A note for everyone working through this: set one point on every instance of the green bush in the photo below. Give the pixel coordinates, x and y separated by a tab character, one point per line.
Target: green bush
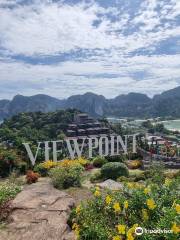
118	158
156	173
99	161
22	167
7	192
7	162
96	177
114	170
39	168
65	177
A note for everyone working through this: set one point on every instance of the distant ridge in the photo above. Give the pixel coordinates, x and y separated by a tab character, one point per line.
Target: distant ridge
130	105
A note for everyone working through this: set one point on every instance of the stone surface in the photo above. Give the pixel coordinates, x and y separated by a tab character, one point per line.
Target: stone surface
110	184
40	212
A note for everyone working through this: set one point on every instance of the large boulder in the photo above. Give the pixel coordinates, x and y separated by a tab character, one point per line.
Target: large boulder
110	184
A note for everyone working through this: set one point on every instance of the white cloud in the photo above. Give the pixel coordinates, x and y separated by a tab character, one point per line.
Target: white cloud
107	38
62	79
50	28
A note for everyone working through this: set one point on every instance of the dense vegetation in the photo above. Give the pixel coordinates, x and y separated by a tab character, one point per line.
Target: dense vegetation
29	127
159	127
35	126
152	205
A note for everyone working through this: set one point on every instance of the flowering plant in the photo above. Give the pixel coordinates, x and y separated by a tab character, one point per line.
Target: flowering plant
7	192
44	167
114	215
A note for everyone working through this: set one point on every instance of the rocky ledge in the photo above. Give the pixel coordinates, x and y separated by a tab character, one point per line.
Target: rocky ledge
39	212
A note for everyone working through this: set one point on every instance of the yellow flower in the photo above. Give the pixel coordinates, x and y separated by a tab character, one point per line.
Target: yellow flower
134	227
108	199
117	238
97	193
145	214
177	207
130	235
147	190
151	204
126	204
78	209
175	228
121	229
131	231
117	207
82	161
167	182
74	226
48	164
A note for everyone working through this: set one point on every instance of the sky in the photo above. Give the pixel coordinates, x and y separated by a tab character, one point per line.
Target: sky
109	47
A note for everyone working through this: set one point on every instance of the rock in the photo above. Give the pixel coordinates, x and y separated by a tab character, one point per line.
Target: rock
110	184
40	212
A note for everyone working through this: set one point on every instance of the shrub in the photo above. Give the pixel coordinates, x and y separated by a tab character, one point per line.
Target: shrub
31	177
39	168
99	161
84	162
114	170
7	192
69	162
133	177
115	215
96	177
134	164
7	162
43	168
21	167
156	173
67	176
118	158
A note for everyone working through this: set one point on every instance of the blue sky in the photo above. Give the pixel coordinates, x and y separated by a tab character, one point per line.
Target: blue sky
62	48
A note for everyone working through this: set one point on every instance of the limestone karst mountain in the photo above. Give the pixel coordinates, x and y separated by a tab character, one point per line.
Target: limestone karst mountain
130	105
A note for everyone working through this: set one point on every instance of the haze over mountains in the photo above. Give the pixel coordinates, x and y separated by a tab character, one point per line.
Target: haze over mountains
130	105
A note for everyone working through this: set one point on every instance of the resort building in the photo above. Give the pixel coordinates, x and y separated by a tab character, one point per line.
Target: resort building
85	126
